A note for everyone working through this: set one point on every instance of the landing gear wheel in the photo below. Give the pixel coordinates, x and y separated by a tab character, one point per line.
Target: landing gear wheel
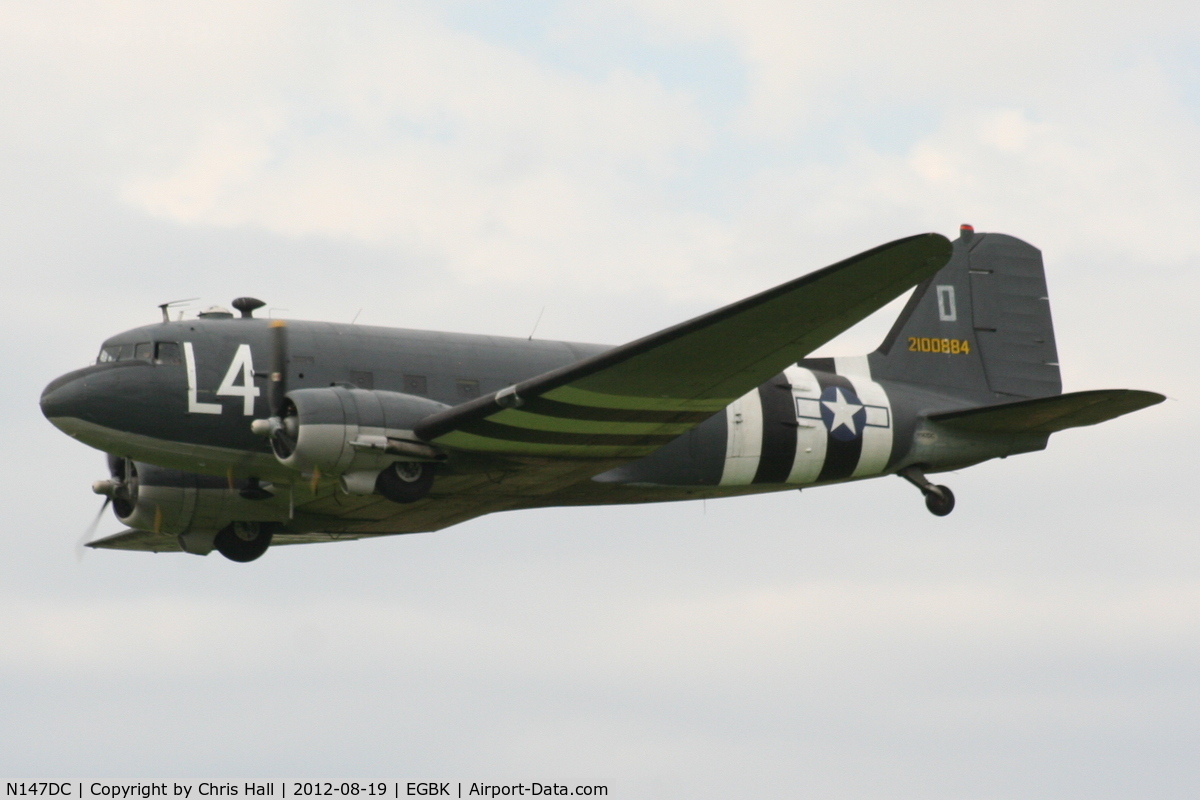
942	504
405	481
244	541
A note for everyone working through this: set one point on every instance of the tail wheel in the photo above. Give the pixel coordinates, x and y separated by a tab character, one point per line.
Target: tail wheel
244	541
939	500
405	481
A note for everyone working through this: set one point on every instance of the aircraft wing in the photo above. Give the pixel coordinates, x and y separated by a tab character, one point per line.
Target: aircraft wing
152	542
1049	414
628	401
132	539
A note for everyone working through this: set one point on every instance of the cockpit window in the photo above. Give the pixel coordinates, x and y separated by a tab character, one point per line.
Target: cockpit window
143	350
167	353
115	352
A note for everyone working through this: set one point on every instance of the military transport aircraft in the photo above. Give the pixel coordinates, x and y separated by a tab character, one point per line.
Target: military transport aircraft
237	433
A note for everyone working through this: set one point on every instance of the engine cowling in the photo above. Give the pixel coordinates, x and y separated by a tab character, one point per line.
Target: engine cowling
340	430
186	505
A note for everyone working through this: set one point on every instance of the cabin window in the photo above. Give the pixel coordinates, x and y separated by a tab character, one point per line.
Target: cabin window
143	350
363	380
468	388
167	353
416	384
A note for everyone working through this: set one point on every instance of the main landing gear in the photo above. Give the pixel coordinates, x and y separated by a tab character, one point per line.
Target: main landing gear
405	481
244	541
938	499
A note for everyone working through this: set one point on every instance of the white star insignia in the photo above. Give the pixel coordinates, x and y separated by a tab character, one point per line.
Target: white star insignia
843	412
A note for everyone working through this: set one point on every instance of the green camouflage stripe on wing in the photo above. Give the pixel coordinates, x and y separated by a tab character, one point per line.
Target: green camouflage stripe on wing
551	408
540	422
583	397
487	444
495	430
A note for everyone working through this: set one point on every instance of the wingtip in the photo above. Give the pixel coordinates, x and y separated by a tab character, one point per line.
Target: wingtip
1146	398
1152	398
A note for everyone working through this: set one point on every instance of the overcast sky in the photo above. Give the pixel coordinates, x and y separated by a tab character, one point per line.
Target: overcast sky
627	164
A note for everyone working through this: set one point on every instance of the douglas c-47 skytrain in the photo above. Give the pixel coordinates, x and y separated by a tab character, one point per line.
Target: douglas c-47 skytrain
238	433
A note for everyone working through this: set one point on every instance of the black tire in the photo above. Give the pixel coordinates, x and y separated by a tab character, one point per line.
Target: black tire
244	541
940	505
405	481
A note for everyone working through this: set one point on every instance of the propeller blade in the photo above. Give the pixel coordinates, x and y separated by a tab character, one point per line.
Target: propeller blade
277	386
81	545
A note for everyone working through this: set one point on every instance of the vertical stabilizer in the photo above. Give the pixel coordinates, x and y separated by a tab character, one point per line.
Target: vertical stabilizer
980	326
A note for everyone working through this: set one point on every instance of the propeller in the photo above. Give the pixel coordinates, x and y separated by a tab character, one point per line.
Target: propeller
120	487
284	424
277	384
276	377
81	545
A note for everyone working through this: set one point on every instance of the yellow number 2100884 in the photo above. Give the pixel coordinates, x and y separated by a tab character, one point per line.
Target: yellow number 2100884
924	344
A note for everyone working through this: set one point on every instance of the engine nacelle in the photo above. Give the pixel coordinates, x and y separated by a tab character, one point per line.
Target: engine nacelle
186	505
340	430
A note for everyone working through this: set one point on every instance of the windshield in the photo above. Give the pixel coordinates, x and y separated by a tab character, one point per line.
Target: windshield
158	352
115	352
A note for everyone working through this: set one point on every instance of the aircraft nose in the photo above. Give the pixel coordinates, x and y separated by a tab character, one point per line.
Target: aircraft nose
103	400
66	396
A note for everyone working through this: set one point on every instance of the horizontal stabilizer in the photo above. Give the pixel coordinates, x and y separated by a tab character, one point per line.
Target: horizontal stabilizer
626	402
1049	414
151	542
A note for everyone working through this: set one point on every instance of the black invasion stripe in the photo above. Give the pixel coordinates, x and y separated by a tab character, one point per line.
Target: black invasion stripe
511	433
553	408
778	431
841	458
819	365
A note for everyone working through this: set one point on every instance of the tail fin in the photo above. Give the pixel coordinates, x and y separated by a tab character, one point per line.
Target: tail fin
981	325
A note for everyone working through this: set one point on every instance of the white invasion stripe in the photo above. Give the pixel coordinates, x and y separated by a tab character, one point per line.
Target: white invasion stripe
811	436
877	433
853	367
878	416
743	443
807	408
